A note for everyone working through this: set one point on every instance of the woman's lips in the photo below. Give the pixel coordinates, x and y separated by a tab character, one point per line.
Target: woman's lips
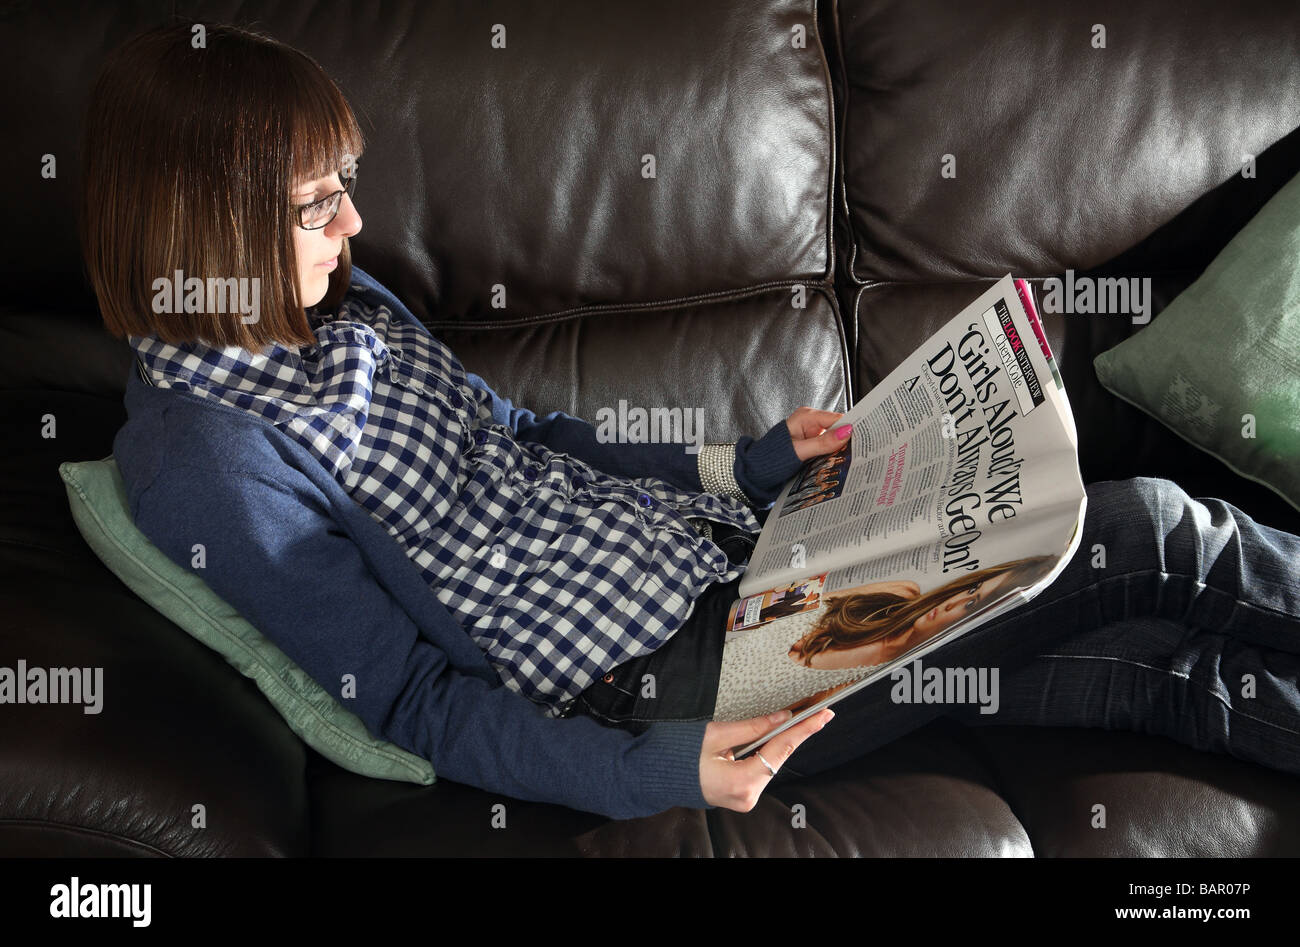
934	613
329	264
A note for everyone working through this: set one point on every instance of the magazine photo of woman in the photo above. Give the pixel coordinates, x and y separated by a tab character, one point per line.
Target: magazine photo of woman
875	623
520	603
859	629
872	624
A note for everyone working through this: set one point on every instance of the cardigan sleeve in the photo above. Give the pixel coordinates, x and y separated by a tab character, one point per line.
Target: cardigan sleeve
762	466
276	554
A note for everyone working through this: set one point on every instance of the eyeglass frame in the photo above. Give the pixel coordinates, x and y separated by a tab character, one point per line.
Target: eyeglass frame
349	188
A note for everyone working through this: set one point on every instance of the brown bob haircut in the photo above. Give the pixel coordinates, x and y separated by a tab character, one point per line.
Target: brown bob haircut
190	156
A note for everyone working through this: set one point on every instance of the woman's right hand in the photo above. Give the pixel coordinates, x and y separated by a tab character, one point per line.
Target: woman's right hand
734	784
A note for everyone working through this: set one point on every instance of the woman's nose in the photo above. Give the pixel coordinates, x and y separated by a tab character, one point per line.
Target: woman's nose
347	223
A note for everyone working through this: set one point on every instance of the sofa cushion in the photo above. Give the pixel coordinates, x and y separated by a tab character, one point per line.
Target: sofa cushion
1065	152
505	145
98	499
1221	364
745	362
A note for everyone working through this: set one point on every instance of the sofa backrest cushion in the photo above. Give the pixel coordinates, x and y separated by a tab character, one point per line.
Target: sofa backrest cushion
1066	152
507	144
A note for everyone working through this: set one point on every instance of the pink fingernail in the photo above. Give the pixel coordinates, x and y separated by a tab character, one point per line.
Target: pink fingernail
843	431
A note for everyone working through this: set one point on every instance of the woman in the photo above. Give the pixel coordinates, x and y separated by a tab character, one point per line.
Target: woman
337	464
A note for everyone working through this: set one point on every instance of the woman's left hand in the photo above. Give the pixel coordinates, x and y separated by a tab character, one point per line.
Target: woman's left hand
763	466
811	432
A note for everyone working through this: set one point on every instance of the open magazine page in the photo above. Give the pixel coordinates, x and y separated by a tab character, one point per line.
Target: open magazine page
993	511
970	432
813	641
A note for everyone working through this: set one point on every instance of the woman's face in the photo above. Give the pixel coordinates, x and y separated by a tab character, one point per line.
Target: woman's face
959	605
318	250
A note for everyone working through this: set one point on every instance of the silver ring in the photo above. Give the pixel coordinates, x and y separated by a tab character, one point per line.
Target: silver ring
765	762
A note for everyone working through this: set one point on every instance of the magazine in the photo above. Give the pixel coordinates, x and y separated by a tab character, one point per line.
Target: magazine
957	498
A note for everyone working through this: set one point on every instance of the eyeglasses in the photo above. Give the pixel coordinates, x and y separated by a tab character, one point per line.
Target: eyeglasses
319	213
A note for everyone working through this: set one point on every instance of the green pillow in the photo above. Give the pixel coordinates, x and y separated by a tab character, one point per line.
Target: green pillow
1227	347
99	506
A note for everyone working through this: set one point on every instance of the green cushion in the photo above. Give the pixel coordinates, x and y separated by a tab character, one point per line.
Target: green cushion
99	506
1227	347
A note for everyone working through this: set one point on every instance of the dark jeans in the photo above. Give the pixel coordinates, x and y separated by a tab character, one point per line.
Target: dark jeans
1190	630
686	669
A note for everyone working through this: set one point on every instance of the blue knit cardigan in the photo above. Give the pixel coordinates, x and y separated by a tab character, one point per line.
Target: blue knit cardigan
316	574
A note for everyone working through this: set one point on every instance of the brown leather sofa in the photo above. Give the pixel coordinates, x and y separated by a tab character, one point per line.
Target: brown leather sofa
795	143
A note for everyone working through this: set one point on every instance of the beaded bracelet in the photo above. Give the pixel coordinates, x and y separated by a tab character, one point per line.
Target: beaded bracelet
717	465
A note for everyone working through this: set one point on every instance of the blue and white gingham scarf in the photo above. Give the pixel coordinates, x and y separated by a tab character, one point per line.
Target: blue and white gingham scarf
557	570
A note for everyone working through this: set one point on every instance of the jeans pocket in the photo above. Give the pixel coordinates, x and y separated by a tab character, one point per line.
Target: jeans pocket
626	678
614	696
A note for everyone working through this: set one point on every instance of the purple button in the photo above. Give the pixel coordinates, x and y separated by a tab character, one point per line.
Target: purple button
530	473
644	499
480	437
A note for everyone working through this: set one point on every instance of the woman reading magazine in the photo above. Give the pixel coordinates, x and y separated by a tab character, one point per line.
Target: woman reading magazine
534	611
